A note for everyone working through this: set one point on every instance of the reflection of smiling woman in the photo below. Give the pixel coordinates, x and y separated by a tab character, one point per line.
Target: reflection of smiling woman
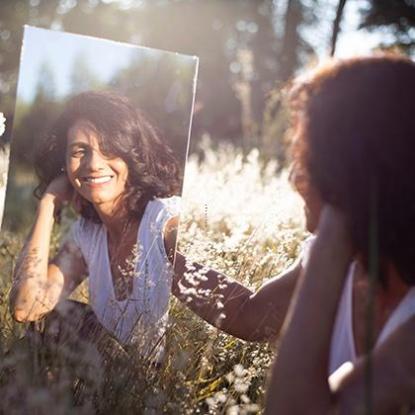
121	177
96	177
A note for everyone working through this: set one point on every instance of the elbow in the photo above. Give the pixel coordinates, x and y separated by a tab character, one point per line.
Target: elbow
260	322
259	335
245	332
19	316
250	330
22	314
28	303
14	311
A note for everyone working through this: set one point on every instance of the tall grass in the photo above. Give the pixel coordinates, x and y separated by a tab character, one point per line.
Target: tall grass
238	217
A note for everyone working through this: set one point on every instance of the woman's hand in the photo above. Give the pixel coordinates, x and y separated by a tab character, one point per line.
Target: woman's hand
332	225
60	191
333	239
310	322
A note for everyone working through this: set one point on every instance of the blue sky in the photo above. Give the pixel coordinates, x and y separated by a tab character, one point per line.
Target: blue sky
357	42
58	50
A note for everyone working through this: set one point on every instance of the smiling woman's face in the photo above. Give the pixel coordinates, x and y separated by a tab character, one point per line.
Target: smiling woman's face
98	178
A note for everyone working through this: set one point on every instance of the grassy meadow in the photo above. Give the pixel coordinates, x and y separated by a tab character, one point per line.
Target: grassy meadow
239	217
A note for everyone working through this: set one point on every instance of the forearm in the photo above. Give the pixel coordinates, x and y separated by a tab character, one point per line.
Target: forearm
210	294
32	293
232	307
299	381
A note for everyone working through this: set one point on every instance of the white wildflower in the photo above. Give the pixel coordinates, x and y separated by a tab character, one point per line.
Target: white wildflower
211	402
220	397
241	386
244	398
233	410
230	377
239	370
2	124
252	408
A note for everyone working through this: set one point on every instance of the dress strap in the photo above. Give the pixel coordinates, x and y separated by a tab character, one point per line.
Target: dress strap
400	315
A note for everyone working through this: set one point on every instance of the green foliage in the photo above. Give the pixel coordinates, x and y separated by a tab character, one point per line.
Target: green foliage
20	205
275	126
395	16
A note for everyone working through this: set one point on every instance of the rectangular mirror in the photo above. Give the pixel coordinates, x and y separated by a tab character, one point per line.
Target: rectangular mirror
101	134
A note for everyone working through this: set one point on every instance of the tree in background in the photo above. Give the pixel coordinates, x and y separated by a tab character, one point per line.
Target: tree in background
217	31
35	117
396	16
246	47
82	77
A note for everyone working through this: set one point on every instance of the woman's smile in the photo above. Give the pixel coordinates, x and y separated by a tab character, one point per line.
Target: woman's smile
96	180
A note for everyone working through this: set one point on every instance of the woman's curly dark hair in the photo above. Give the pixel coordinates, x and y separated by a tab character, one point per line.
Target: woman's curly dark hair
354	128
123	131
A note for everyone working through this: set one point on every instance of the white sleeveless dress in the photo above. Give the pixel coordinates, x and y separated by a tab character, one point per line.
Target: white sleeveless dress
142	318
342	348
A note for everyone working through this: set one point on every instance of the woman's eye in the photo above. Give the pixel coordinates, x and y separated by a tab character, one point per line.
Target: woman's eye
78	152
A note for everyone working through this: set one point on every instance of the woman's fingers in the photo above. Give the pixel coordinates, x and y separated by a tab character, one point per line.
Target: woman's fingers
61	188
61	192
334	231
333	222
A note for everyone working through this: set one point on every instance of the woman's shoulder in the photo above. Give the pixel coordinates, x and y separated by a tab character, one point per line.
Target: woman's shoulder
84	230
169	206
306	248
157	214
404	312
86	225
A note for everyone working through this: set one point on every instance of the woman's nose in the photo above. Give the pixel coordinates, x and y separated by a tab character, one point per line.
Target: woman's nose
94	161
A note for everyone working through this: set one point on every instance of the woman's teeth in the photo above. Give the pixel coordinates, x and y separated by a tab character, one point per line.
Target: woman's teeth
98	180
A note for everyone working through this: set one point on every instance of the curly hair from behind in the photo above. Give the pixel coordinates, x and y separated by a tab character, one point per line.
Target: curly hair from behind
354	128
123	131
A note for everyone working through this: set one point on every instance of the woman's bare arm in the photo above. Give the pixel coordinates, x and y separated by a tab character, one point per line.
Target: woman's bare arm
226	303
37	284
299	382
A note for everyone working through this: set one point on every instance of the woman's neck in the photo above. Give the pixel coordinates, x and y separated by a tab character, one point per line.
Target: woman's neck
387	297
393	289
116	220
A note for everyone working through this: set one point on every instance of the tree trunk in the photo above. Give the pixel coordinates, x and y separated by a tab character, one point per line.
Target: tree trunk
336	26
